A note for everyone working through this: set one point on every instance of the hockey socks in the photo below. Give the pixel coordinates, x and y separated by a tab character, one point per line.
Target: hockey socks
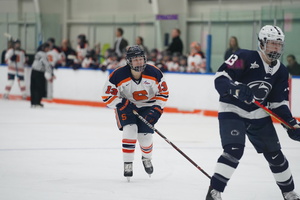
281	171
226	165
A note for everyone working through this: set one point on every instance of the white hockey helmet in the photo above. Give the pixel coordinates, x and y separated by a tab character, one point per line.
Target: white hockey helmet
276	36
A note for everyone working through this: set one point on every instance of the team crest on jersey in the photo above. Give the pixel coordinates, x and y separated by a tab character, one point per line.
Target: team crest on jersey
260	89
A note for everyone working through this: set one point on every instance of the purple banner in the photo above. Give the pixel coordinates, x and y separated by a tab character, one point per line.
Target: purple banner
167	17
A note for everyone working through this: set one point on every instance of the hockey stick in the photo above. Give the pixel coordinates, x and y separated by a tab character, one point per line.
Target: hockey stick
168	141
273	115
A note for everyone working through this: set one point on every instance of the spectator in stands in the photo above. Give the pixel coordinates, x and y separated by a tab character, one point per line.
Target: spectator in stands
233	47
293	66
153	57
82	47
196	59
98	56
120	43
68	53
176	44
90	60
140	42
173	65
183	63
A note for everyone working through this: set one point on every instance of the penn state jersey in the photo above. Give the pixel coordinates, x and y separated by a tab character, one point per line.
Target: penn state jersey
269	85
150	89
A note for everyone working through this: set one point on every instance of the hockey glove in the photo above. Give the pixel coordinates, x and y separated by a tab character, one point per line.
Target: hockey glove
241	92
154	114
126	106
13	57
294	134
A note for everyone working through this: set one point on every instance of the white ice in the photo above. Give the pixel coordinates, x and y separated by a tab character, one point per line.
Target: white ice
65	152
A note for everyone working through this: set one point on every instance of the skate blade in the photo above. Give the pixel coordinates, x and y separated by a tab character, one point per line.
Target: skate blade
128	179
149	175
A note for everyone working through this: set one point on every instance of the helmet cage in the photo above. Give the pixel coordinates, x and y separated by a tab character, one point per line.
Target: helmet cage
269	37
134	52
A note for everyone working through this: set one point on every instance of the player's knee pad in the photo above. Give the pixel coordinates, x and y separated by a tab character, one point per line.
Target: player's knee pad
275	158
130	131
235	150
146	143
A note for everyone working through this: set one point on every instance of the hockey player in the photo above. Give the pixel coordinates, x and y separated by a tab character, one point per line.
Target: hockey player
244	76
141	87
15	59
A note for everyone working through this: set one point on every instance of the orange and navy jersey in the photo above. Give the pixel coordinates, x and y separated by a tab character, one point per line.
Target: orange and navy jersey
150	90
18	65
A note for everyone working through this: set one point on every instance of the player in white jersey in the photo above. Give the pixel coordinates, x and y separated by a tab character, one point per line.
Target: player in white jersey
15	59
141	87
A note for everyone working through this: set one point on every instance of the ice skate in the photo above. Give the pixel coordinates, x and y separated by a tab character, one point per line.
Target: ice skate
291	196
147	165
213	194
128	170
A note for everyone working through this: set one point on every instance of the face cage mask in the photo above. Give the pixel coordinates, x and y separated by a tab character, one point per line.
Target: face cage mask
272	55
137	68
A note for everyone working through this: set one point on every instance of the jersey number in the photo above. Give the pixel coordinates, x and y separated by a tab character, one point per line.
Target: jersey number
231	60
111	90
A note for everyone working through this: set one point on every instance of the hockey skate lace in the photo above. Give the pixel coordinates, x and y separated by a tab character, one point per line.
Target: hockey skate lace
216	195
291	196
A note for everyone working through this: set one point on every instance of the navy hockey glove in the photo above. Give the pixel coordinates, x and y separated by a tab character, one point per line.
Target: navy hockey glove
294	134
126	106
241	92
154	114
13	57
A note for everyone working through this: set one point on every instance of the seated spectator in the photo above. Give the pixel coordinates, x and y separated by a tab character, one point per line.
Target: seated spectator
293	66
153	57
196	59
82	47
67	50
111	62
183	63
233	47
173	65
90	60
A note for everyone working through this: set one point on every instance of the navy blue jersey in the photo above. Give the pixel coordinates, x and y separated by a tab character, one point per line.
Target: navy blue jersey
269	85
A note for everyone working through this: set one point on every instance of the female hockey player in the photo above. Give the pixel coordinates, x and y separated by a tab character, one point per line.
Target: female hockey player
140	87
244	76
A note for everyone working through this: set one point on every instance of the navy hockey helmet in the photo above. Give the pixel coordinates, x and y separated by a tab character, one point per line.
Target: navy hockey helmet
133	52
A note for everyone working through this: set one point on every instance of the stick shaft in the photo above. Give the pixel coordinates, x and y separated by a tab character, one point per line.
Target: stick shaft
168	141
274	115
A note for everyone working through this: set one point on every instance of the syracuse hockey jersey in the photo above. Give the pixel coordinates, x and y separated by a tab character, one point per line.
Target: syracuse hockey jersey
150	90
15	67
269	85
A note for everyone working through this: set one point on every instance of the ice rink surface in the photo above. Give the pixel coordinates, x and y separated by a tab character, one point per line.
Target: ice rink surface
65	152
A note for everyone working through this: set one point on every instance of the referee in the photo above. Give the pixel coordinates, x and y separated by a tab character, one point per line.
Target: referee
41	70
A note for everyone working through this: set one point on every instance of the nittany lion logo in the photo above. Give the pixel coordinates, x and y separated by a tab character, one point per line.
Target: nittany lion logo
260	89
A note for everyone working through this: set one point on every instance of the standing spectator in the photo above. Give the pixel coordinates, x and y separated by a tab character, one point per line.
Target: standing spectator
196	59
176	44
120	43
41	69
82	48
90	60
140	42
293	66
233	47
67	52
15	59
